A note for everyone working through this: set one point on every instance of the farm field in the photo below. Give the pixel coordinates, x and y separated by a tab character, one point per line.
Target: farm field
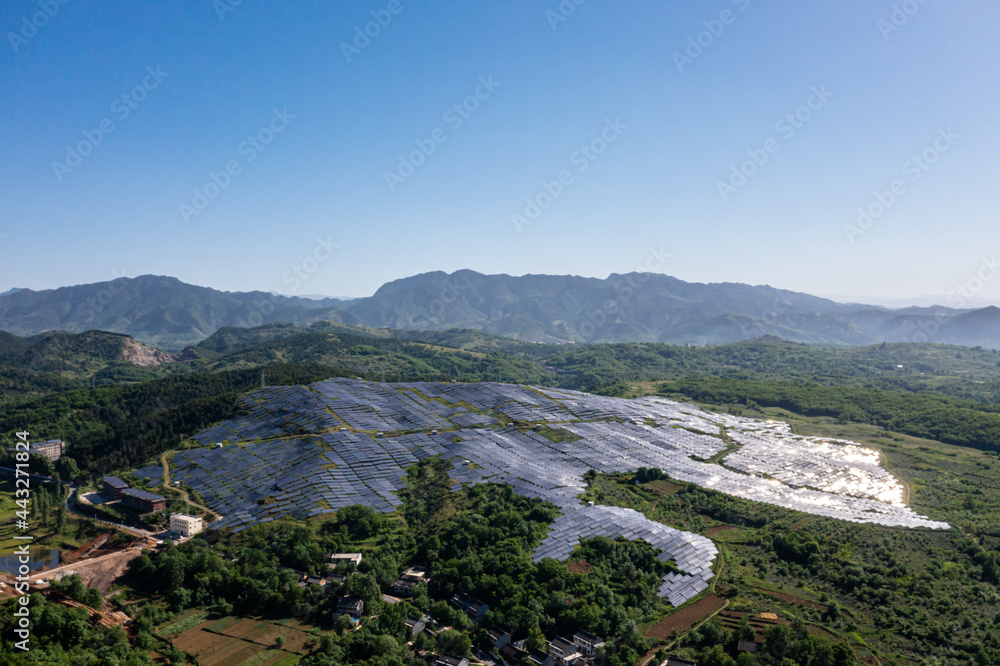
686	618
231	641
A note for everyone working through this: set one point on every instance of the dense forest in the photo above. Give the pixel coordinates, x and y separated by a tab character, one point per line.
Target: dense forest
120	426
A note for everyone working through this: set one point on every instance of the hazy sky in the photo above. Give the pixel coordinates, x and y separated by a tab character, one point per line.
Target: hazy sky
276	146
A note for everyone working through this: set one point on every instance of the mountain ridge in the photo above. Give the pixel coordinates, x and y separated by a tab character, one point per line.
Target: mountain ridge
624	307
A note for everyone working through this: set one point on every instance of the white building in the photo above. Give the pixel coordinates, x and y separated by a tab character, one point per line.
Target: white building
337	558
186	525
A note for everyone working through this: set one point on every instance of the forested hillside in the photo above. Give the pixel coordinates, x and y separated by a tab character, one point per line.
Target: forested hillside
943	392
633	307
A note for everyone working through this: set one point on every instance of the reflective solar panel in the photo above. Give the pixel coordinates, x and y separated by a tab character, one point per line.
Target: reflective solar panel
275	470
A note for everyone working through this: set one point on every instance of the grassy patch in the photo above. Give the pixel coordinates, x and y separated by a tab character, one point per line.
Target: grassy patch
73	534
222	625
661	487
187	620
557	435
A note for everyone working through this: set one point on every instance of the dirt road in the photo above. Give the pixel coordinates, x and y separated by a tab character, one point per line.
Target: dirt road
99	572
183	493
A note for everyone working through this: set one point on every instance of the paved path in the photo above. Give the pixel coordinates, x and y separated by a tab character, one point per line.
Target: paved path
72	508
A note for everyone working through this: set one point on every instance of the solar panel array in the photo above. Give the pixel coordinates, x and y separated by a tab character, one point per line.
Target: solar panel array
692	553
305	451
152	473
830	465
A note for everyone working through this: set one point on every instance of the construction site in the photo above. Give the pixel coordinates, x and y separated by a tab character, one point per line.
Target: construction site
99	564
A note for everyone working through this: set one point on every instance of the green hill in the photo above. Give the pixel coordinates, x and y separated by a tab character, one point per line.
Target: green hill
60	361
960	372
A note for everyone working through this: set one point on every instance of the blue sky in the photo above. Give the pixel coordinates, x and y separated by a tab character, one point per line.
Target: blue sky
657	187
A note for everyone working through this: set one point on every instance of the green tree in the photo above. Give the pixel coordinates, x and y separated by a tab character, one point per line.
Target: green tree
454	642
343	624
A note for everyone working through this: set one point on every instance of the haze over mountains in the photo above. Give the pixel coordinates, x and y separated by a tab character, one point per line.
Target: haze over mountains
636	307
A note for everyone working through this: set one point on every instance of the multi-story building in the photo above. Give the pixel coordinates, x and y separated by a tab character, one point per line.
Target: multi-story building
408	582
564	651
142	501
185	525
499	638
113	487
51	449
347	606
472	607
588	642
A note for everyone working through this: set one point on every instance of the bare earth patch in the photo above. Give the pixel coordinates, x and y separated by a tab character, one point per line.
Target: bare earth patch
715	530
686	618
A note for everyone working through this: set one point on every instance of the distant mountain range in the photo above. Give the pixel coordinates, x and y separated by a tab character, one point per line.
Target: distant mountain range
636	307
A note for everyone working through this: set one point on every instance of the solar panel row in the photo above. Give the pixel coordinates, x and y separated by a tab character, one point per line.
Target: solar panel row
297	456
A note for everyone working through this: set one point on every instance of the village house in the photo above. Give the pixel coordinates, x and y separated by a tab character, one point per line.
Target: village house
564	651
588	642
408	582
348	606
352	558
472	607
499	638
